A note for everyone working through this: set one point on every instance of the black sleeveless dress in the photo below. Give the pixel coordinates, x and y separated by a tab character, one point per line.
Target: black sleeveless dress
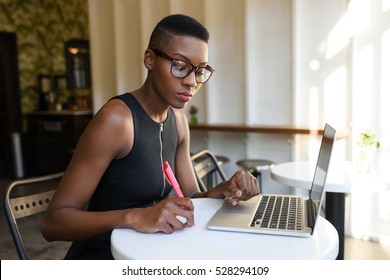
135	181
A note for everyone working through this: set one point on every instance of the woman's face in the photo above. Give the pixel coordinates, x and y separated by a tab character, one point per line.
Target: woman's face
177	92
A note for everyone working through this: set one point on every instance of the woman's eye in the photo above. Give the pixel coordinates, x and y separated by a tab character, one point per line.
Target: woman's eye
181	66
200	72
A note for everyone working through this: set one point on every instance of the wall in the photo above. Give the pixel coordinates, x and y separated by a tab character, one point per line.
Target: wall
42	27
321	91
370	90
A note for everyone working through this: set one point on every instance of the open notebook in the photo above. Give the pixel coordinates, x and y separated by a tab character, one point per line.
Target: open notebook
280	214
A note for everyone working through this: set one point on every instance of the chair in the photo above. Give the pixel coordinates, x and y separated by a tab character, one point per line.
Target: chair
25	198
207	169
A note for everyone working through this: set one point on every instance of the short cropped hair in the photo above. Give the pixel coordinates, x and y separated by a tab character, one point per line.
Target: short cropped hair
176	25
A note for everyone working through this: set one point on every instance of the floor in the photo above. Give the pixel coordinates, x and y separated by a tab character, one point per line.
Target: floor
38	248
356	249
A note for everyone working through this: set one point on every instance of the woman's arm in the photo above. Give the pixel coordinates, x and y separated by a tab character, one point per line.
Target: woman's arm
65	217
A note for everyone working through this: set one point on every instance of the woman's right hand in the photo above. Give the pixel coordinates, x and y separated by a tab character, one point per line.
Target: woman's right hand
162	217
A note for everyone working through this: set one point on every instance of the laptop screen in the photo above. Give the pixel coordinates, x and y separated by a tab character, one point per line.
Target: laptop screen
321	170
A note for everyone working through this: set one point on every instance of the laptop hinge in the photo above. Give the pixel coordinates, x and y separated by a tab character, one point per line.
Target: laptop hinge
311	213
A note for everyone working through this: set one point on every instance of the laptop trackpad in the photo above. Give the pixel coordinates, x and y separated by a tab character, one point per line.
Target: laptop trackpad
241	208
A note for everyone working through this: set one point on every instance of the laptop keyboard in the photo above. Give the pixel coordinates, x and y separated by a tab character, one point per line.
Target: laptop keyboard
279	212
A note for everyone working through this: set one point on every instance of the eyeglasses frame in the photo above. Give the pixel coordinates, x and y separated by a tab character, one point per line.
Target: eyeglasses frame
194	68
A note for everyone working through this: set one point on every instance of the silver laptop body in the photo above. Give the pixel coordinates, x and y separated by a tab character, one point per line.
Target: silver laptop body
290	215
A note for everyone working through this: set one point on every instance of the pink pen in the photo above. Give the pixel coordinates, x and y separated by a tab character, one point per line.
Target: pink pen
171	179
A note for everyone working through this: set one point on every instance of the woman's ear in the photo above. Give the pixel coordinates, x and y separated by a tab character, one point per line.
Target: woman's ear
148	59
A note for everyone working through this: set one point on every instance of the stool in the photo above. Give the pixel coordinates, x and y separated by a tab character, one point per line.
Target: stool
222	159
256	166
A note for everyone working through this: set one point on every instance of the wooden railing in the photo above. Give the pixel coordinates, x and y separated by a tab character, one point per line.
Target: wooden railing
341	134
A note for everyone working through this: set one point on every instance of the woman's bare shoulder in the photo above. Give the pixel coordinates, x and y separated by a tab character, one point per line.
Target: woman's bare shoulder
114	112
112	128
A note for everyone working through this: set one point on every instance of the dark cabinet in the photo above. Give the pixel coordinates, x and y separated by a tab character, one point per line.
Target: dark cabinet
11	162
53	136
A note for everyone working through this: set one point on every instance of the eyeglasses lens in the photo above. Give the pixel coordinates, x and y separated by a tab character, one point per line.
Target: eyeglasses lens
182	69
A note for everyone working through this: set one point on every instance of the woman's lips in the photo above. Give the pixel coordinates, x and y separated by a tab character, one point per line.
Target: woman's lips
184	96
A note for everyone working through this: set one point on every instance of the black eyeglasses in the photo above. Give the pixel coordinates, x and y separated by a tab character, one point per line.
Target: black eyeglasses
181	69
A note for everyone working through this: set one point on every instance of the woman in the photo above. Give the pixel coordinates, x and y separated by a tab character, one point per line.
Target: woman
116	168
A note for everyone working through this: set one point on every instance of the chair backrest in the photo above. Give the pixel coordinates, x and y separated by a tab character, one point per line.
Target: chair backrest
207	169
27	197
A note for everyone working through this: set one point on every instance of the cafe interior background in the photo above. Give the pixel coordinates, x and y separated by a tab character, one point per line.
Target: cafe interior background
293	63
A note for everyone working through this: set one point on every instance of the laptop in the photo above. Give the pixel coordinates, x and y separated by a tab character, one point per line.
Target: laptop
290	215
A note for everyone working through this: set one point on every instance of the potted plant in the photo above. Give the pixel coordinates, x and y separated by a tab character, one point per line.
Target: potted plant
193	114
367	142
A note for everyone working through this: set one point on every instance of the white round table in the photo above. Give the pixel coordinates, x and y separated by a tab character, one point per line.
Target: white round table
300	174
200	243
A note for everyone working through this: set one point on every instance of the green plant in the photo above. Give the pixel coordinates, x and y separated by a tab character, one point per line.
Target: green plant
193	110
368	139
